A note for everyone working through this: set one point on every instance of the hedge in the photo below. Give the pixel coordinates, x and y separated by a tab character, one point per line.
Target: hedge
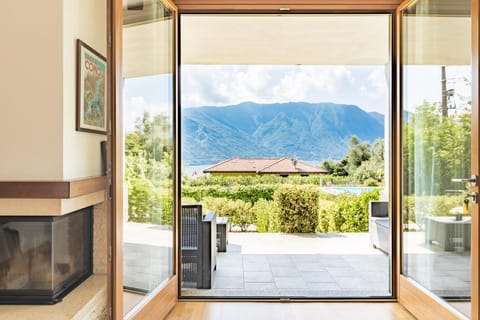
298	208
349	213
250	194
266	213
240	213
420	206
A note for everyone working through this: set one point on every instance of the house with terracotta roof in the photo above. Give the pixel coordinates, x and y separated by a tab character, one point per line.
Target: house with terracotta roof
253	166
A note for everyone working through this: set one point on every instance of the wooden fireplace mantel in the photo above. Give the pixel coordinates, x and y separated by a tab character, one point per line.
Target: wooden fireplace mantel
50	198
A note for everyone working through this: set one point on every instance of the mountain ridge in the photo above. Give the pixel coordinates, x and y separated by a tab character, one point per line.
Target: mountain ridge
308	131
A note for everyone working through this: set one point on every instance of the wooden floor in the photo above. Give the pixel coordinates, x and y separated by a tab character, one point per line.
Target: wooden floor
288	311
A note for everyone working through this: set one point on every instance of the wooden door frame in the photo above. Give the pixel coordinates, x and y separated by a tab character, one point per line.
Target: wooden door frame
475	245
419	301
115	36
159	302
315	7
273	6
406	290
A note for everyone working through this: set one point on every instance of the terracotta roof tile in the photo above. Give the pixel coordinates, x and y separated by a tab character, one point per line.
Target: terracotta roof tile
263	166
286	165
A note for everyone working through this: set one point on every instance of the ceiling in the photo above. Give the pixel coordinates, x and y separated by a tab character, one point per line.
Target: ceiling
294	39
285	39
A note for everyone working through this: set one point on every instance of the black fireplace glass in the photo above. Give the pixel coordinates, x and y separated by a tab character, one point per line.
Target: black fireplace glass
44	258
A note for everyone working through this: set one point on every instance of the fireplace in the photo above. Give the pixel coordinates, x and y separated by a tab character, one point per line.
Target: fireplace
44	258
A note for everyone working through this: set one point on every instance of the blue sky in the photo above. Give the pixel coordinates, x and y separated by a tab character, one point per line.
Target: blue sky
219	85
229	85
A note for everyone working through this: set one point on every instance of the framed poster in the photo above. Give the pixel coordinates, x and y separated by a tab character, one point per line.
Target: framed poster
91	90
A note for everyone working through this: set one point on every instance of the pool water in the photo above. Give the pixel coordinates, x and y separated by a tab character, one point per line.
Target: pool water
353	190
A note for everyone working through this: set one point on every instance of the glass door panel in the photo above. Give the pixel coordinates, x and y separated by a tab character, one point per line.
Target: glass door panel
436	152
148	104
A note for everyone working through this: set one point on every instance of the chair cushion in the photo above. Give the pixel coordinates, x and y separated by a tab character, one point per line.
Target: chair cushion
382	222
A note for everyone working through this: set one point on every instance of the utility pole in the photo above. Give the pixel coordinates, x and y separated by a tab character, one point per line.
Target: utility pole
444	94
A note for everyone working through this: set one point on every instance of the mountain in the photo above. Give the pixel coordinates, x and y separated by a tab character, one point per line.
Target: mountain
309	131
378	116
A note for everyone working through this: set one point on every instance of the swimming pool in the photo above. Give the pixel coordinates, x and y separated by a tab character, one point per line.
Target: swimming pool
353	190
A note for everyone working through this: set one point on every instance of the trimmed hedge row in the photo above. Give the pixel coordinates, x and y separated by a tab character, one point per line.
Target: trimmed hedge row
227	181
250	194
296	209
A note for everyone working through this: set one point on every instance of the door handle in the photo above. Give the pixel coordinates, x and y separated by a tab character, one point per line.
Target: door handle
472	195
473	179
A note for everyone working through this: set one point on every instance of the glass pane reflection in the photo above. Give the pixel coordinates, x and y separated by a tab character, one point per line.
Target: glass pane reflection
436	95
148	102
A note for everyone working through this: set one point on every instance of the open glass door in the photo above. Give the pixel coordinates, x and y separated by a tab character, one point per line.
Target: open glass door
438	155
146	153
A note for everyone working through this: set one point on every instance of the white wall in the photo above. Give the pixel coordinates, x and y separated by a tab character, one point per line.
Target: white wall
38	141
85	20
31	91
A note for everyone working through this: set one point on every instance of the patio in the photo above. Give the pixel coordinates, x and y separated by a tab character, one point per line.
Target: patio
299	265
324	265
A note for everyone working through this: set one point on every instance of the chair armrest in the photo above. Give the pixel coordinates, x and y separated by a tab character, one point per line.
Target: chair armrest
378	208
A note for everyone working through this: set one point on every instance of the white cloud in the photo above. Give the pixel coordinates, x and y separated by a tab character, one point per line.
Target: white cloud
375	86
217	85
135	107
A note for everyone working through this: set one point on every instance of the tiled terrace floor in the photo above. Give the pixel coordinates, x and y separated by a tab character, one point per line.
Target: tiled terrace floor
298	265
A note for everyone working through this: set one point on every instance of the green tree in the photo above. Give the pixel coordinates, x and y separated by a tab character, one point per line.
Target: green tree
149	170
363	161
435	149
328	165
340	168
357	153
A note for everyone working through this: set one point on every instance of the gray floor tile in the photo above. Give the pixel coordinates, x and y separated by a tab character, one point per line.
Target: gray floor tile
255	258
354	283
333	262
324	286
310	266
306	258
229	272
256	266
342	272
262	286
375	276
290	283
285	271
228	283
317	276
258	276
281	261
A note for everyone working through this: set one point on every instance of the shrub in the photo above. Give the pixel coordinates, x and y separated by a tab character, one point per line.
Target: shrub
357	212
143	201
414	206
370	182
167	211
164	214
215	204
324	220
349	213
187	200
251	193
240	213
243	215
298	208
266	214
